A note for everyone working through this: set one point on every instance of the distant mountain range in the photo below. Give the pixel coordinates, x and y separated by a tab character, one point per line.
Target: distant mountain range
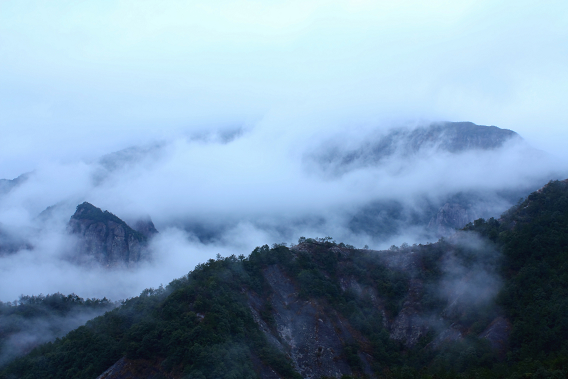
381	219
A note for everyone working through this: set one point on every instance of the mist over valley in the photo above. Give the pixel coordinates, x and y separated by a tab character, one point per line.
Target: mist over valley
216	195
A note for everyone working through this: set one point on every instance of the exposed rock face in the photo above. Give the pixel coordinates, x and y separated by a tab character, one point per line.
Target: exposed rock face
105	238
313	338
134	369
410	324
146	227
450	217
498	333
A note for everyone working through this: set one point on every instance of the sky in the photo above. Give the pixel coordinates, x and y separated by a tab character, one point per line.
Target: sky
80	79
226	101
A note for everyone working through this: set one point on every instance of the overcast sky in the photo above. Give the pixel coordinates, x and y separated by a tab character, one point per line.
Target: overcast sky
80	79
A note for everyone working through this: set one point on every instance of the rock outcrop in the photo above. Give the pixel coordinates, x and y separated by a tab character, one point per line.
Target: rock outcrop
107	239
146	227
451	216
313	338
134	369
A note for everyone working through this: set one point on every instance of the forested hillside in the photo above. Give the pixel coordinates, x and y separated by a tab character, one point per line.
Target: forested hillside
488	302
32	320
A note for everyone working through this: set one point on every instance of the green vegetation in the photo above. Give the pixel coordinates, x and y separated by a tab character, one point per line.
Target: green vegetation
533	237
32	320
201	325
198	326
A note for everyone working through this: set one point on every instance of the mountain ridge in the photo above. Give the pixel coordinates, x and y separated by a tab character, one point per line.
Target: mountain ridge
324	309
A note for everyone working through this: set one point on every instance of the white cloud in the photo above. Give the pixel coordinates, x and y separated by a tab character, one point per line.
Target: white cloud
78	81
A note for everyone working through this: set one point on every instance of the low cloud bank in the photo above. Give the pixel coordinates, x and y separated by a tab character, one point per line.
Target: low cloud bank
228	191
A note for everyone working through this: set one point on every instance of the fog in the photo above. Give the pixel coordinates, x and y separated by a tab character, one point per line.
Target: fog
226	123
210	194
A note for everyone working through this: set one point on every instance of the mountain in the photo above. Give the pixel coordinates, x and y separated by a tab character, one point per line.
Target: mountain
106	239
402	149
337	158
7	185
491	301
11	242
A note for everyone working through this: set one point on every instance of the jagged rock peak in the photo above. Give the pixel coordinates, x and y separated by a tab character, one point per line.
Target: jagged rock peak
87	211
106	238
146	227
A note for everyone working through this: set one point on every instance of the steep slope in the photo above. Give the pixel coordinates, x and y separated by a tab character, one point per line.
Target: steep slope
106	239
318	309
534	239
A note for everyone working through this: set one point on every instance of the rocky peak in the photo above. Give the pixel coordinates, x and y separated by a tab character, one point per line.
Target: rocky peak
105	238
145	227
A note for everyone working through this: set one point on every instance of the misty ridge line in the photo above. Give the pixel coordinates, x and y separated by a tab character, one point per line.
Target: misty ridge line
469	279
227	192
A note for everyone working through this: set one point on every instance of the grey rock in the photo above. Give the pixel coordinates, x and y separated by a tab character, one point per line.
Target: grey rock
450	217
410	324
105	238
145	227
126	368
497	333
314	338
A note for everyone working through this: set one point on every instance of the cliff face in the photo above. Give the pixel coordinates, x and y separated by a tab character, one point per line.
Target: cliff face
106	239
313	337
451	216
